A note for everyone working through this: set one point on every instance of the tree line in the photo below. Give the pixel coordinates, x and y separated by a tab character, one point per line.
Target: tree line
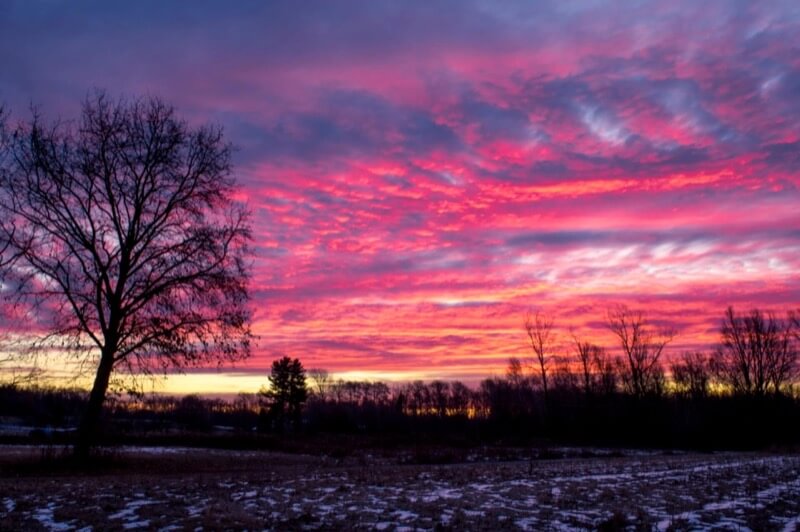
757	355
121	233
742	392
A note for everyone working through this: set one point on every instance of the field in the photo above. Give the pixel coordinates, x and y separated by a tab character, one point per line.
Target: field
188	489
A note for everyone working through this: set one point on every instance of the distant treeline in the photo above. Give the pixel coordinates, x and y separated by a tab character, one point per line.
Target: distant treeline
740	395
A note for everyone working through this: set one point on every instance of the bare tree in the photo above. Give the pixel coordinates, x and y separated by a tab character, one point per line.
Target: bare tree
418	398
514	373
757	354
8	253
606	370
641	347
439	395
245	402
794	319
321	382
564	378
5	156
786	365
598	373
590	358
460	399
126	229
539	328
12	372
376	393
691	375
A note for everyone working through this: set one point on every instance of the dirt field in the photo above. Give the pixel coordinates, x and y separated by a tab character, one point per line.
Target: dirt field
186	489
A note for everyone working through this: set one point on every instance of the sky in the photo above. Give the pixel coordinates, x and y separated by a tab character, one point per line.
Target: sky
422	174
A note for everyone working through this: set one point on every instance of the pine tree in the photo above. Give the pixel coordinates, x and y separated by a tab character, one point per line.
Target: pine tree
287	391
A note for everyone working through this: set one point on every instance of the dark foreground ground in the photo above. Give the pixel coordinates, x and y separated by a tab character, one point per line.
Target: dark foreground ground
192	489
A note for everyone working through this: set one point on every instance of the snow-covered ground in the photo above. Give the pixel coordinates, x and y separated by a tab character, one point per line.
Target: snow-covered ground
266	490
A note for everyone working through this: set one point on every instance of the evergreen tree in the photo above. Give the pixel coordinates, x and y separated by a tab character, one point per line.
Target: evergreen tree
287	391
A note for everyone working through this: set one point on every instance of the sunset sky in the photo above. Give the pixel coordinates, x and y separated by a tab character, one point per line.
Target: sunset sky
421	174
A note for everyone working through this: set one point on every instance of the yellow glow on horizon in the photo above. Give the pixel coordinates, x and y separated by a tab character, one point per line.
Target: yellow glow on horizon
222	383
229	383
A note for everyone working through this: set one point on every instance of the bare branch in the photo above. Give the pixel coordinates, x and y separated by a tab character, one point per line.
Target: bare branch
642	348
124	223
539	328
758	352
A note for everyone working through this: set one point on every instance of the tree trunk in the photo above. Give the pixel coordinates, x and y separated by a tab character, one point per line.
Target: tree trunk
87	432
544	378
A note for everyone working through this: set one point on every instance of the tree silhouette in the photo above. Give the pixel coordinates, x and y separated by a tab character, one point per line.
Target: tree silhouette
539	328
606	371
129	240
321	380
8	254
6	257
641	373
287	391
440	397
691	375
590	358
757	354
460	398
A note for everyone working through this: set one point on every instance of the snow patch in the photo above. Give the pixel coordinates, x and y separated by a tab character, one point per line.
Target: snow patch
404	515
792	524
129	513
45	518
133	525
